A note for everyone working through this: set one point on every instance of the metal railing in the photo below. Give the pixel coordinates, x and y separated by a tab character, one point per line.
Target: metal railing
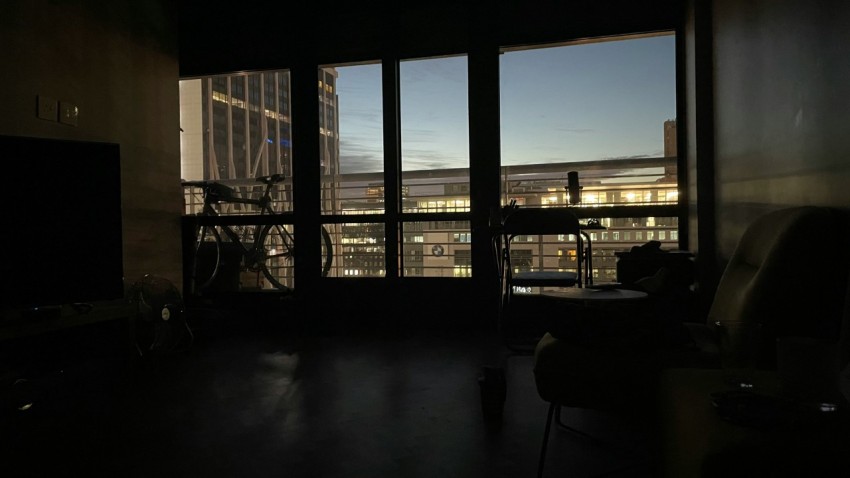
637	199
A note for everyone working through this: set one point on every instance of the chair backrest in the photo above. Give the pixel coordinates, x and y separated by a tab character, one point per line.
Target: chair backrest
532	221
788	274
540	221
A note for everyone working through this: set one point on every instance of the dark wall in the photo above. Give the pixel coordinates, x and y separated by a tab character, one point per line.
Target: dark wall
781	80
117	61
218	37
698	139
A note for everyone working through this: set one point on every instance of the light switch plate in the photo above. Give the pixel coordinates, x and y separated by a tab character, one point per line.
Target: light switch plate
68	113
47	108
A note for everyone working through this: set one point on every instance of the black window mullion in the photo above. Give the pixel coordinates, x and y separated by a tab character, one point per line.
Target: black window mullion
392	161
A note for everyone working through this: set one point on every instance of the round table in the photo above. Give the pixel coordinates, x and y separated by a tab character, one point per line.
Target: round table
589	294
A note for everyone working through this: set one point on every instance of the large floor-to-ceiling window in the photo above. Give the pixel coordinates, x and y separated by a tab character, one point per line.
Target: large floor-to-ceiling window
352	168
604	108
435	167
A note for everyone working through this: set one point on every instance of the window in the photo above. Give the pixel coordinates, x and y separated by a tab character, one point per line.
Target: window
230	136
435	162
434	131
589	102
352	164
461	237
604	108
363	249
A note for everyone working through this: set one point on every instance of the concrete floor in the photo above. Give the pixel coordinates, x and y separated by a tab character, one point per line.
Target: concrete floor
263	401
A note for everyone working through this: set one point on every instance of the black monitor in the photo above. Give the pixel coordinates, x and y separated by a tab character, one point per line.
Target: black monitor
61	236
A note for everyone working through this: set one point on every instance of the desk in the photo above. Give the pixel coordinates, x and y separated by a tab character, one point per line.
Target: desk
696	442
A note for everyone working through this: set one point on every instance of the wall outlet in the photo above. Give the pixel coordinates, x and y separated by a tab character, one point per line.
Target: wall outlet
69	113
47	108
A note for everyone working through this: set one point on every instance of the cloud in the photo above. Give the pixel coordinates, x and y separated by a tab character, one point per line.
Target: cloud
360	156
575	130
426	159
633	156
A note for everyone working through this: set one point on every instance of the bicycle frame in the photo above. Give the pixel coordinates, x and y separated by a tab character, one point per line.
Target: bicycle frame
255	254
264	205
271	247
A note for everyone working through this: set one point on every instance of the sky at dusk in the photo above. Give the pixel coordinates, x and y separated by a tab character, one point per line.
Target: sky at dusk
581	102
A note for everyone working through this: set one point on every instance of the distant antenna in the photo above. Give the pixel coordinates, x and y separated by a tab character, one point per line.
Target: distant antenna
573	188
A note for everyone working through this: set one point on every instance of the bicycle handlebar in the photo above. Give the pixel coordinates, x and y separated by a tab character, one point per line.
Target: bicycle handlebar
268	180
271	179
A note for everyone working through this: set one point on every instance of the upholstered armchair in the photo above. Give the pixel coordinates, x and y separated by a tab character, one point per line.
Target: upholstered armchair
786	277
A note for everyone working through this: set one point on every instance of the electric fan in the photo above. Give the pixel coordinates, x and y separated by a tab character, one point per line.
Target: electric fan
160	325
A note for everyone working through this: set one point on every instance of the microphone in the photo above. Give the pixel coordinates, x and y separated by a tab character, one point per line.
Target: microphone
573	188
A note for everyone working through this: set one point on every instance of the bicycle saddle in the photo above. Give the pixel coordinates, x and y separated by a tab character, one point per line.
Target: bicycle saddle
219	192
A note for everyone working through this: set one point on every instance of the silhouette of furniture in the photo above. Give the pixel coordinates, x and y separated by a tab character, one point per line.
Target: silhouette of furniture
537	249
613	362
636	264
767	437
585	227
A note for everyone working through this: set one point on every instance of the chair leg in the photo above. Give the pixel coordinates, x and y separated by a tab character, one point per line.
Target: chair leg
561	424
569	428
552	408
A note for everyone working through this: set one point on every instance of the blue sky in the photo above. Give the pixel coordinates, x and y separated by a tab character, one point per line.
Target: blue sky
581	102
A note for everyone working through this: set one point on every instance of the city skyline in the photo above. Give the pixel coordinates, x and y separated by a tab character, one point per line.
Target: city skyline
579	102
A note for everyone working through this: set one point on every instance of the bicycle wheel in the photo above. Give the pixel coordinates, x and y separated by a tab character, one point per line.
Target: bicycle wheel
275	259
327	252
207	260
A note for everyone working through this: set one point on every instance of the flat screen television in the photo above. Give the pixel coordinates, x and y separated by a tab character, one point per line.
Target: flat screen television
61	236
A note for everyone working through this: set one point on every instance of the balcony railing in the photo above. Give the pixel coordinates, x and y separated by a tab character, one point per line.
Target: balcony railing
636	199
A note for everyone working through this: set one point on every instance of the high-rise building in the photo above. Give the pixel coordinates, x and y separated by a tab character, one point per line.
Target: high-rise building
238	127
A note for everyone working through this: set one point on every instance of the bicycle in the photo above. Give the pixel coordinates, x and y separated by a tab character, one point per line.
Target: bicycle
268	249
